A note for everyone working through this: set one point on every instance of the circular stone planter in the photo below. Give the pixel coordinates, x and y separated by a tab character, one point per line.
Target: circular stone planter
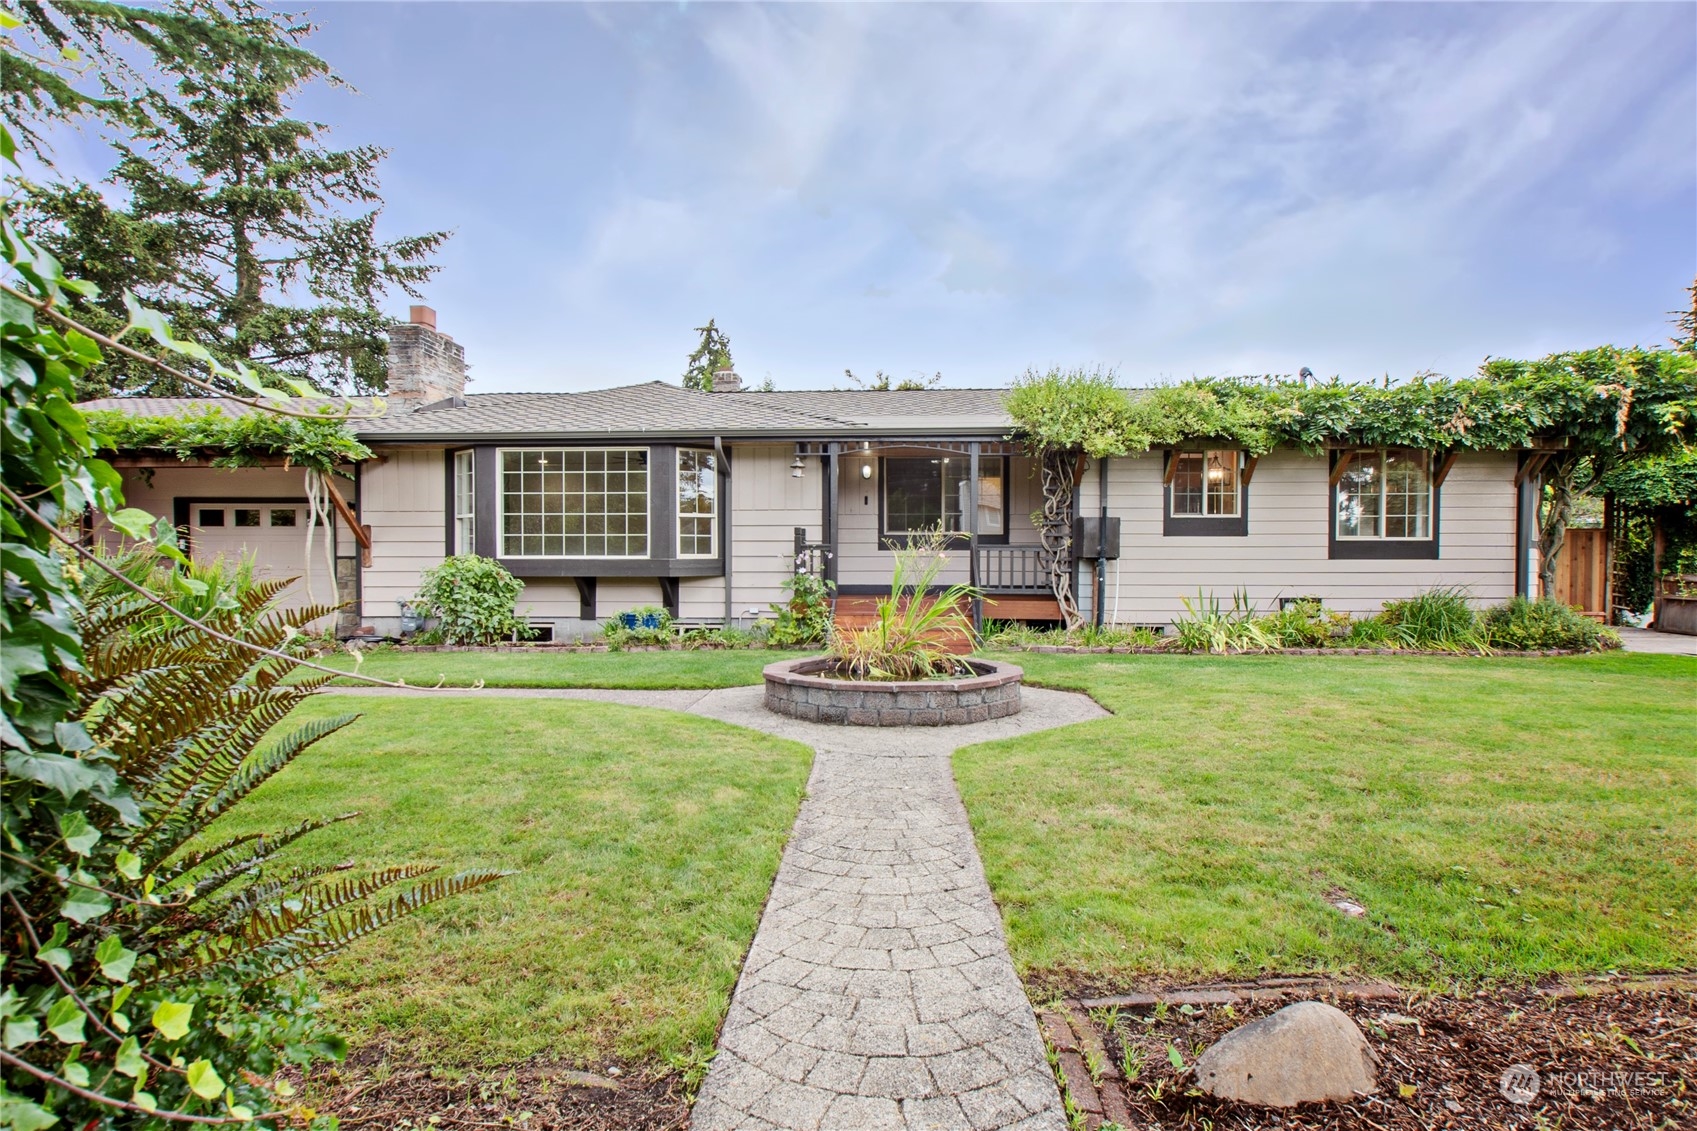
797	689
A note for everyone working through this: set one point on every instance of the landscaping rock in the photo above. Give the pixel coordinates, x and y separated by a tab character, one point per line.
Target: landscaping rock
1304	1053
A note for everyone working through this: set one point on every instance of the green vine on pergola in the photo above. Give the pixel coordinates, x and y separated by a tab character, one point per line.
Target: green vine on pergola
1593	412
235	439
321	446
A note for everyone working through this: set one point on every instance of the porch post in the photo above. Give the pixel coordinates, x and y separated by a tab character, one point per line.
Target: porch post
832	490
1101	592
972	534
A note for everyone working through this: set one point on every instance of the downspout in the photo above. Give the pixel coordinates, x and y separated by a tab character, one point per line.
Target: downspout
724	464
1101	539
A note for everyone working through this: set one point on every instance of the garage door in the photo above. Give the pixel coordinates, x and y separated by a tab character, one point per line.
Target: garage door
273	534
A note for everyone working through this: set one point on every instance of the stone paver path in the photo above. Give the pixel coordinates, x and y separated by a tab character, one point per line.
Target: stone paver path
878	992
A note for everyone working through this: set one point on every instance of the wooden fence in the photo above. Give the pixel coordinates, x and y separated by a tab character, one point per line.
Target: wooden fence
1582	571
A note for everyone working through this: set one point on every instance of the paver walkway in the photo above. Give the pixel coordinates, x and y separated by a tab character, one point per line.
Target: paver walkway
1663	643
878	992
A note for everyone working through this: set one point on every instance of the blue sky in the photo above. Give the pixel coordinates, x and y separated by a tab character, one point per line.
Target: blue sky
1168	190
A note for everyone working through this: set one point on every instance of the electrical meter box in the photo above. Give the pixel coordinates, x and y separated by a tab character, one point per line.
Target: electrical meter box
1089	541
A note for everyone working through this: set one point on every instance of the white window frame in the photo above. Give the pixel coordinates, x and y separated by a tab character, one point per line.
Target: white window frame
501	507
1383	454
465	502
1229	457
711	515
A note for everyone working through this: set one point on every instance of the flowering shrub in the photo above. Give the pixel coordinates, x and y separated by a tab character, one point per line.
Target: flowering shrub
472	599
806	617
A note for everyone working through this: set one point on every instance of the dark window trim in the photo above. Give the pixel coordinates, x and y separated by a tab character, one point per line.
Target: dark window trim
448	499
660	544
1203	526
662	559
889	541
1378	549
718	505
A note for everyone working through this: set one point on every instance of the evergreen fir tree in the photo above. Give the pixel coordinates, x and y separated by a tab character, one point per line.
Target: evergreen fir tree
255	238
710	356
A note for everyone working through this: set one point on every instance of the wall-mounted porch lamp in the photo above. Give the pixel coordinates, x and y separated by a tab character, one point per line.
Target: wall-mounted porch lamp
796	466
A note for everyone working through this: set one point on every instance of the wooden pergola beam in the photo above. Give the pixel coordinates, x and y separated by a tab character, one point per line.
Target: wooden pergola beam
1443	471
1531	467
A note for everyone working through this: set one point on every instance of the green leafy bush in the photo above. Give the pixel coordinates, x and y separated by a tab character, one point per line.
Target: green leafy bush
729	638
1368	632
645	624
1015	634
1302	624
472	599
1546	623
805	617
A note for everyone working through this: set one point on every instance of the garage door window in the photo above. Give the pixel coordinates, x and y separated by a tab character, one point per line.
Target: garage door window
283	517
212	518
246	517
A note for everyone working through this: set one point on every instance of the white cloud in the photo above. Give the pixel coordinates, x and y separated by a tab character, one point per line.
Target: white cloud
1184	188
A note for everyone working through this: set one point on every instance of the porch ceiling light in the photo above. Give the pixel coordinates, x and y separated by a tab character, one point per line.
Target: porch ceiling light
1215	471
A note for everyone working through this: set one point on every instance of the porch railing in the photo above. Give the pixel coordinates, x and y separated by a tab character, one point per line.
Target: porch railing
809	556
1012	569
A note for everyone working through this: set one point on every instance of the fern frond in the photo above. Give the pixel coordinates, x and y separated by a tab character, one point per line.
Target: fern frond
322	938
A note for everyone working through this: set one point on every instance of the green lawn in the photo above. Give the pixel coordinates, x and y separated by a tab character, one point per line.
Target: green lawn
641	670
1498	818
645	842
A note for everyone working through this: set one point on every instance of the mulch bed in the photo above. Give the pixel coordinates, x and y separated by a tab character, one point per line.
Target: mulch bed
1610	1055
377	1091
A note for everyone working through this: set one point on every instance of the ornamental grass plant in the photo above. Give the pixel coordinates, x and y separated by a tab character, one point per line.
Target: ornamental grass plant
913	627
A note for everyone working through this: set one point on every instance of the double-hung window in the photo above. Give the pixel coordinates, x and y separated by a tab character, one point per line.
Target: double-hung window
922	494
574	503
465	504
1386	494
698	503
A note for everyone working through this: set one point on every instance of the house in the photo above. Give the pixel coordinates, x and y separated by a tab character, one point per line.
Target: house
704	502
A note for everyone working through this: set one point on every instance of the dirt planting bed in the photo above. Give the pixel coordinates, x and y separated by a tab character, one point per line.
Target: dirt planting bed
1609	1055
376	1092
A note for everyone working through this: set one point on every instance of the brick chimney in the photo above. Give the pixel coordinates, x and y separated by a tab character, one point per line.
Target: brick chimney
425	365
726	381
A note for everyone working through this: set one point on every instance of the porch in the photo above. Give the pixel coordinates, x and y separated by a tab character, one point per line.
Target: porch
876	495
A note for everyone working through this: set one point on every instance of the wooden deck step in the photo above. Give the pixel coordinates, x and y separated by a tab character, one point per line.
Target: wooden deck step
857	611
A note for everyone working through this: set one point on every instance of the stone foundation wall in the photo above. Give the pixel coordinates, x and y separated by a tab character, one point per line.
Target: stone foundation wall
793	689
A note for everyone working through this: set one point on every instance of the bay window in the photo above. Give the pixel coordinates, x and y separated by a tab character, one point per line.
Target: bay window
698	503
574	502
923	493
465	504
